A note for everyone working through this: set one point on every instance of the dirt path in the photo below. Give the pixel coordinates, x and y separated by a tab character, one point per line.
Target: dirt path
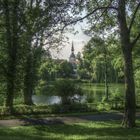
61	120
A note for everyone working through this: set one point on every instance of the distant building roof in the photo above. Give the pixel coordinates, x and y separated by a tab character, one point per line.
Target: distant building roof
72	55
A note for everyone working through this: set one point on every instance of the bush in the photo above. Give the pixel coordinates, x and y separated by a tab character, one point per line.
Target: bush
25	109
117	99
68	90
73	108
90	98
46	109
103	106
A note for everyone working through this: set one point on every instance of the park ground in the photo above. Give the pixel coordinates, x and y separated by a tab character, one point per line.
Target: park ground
104	126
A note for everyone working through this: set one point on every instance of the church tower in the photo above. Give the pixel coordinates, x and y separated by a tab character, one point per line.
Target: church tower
72	59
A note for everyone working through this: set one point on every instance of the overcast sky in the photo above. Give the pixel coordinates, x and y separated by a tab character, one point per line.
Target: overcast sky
79	40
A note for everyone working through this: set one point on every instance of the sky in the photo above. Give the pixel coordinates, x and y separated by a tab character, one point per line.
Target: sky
79	40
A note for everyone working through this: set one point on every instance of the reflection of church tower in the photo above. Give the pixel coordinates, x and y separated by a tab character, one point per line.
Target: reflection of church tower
72	59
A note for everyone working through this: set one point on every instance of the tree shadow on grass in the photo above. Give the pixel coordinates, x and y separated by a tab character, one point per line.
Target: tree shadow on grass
83	130
90	130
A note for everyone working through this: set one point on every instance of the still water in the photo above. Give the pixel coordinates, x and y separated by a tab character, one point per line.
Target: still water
92	93
43	99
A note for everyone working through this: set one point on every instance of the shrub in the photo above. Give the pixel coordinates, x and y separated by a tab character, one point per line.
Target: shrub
90	98
68	90
103	106
117	99
25	109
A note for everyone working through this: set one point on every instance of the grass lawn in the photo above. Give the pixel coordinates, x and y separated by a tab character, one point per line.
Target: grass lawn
78	131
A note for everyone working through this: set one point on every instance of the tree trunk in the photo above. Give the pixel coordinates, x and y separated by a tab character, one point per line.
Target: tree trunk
28	81
130	102
106	78
12	43
9	94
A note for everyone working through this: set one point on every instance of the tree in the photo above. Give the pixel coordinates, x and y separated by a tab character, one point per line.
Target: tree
28	25
41	23
10	10
122	14
81	70
98	53
65	69
127	46
67	89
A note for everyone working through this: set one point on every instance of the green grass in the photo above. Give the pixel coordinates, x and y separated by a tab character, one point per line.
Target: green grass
78	131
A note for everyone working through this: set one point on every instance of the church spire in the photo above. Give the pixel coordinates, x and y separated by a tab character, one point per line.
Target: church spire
72	56
72	60
72	48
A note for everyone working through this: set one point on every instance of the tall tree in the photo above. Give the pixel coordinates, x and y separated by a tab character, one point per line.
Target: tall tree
10	9
42	20
107	15
98	53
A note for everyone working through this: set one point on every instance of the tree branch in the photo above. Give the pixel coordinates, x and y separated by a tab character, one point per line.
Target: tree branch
89	14
135	40
134	16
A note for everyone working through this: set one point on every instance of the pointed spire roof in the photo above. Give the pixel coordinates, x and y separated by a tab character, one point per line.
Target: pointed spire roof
72	51
72	48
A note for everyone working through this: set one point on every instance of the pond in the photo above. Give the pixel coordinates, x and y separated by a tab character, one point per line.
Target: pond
50	100
93	93
42	99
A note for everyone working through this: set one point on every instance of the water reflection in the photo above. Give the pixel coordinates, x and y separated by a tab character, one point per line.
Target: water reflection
50	100
93	94
47	100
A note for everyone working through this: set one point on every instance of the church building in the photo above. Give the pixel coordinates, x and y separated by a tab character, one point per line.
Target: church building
72	60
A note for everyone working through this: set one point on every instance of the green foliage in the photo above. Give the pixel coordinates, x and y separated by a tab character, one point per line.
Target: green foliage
115	100
28	26
22	109
1	99
117	95
99	59
83	73
47	70
90	99
65	69
24	28
137	78
73	108
103	106
25	109
66	89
